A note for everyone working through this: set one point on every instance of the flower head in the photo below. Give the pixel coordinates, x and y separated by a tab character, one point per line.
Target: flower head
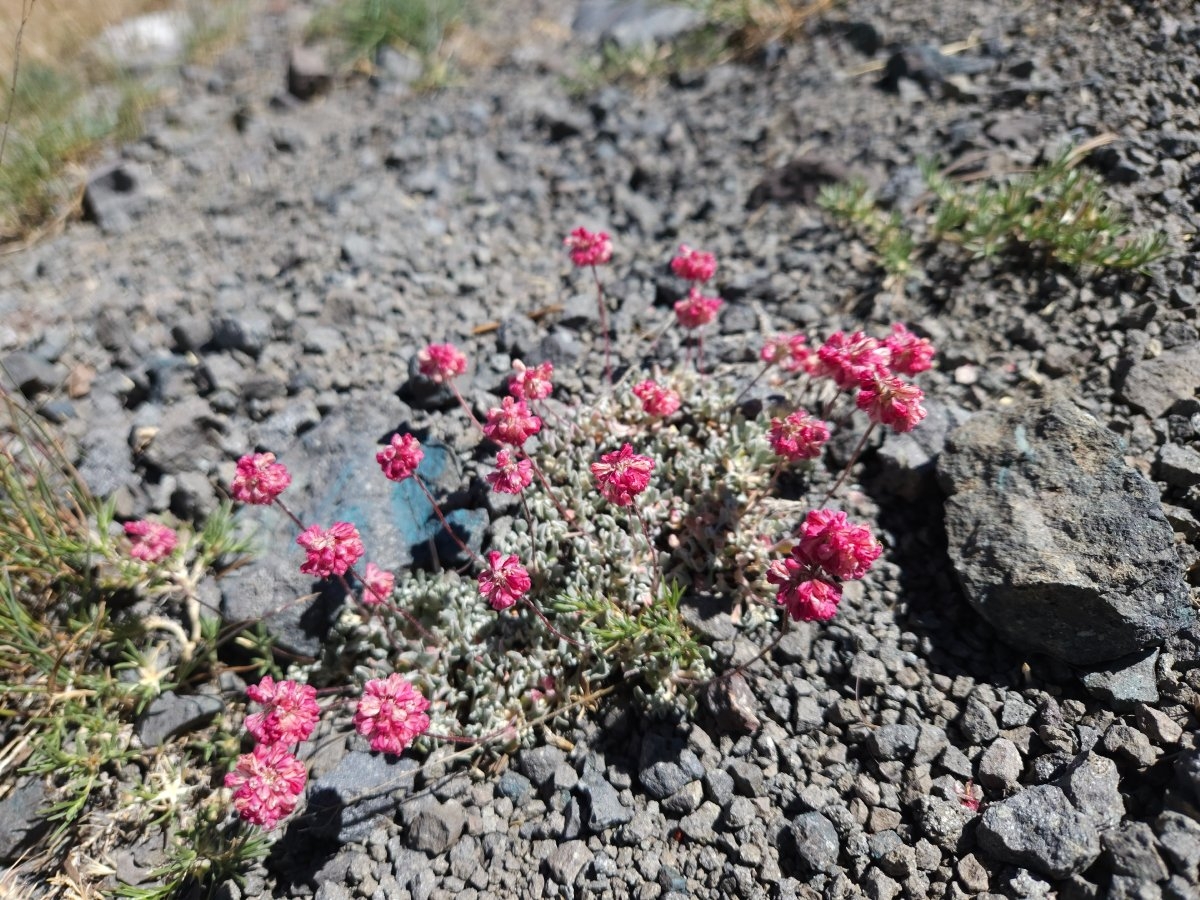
892	402
588	248
391	713
378	585
266	784
798	436
150	541
910	354
512	475
848	360
531	384
694	265
656	399
504	581
791	352
330	552
828	541
289	711
259	479
511	422
807	596
696	310
401	457
441	362
622	474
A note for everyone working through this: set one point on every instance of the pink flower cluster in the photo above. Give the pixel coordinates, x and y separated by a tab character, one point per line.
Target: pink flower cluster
790	352
504	582
694	265
378	585
798	436
512	475
391	713
332	551
696	310
259	479
267	782
511	422
830	550
401	458
622	474
531	384
150	541
588	248
657	400
441	362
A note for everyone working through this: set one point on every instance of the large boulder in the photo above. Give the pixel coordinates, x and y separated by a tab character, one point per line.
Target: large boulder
1058	543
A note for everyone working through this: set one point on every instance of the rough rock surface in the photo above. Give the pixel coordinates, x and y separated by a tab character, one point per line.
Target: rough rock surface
1057	542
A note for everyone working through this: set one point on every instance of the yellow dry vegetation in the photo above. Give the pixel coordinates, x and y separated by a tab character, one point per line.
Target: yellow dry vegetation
57	31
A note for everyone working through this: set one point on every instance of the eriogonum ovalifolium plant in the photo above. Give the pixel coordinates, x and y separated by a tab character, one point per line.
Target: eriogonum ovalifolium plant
640	498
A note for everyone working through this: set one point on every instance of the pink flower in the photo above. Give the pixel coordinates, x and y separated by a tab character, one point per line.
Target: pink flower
511	422
504	582
807	596
441	362
391	712
848	360
378	585
512	475
828	541
589	248
330	552
150	541
259	479
531	384
694	265
798	436
791	352
622	474
696	310
401	457
266	784
289	712
910	354
892	402
656	399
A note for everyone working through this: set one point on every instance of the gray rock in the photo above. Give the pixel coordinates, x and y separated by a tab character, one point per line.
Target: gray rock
662	779
1040	830
942	820
734	706
20	818
635	23
1179	839
685	800
909	459
1031	491
117	196
146	42
893	741
747	777
1187	773
604	808
308	73
170	714
1091	783
698	826
539	764
515	786
977	723
1155	385
30	373
566	861
1129	744
437	828
1122	684
249	331
360	791
1000	766
1178	466
1132	850
184	440
815	841
1158	726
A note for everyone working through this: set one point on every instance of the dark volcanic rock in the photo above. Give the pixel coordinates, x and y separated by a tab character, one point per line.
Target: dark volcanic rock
1059	544
1038	829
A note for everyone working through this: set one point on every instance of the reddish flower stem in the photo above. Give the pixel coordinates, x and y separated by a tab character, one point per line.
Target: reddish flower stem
541	477
445	525
604	327
466	407
862	442
654	575
753	381
554	631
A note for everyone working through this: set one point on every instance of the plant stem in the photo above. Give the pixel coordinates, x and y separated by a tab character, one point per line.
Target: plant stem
862	442
554	631
603	307
654	574
466	407
445	525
